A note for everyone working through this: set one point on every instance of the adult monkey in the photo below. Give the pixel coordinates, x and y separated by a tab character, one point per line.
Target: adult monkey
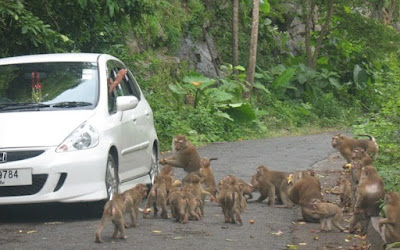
184	156
346	145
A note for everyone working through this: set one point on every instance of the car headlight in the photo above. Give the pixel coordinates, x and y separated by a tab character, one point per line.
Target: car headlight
84	137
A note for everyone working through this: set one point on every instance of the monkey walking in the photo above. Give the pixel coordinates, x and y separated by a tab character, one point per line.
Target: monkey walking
113	210
328	213
346	145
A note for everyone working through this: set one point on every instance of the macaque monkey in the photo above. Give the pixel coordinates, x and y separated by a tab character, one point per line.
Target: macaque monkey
328	213
345	193
207	175
238	187
362	156
271	183
184	156
304	187
346	145
369	192
158	198
179	206
193	185
228	198
113	210
134	198
195	205
392	220
166	173
248	189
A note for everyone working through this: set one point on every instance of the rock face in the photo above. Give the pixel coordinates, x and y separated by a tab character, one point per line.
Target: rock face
199	54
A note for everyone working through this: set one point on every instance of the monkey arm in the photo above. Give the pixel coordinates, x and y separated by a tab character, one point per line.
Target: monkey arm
171	161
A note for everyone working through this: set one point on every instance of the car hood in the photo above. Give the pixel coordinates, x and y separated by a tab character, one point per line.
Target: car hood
39	129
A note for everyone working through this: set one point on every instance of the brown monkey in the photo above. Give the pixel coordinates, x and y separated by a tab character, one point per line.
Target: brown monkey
193	185
345	145
345	193
248	189
302	190
113	210
228	198
158	197
271	183
195	205
328	213
179	206
238	187
392	220
166	173
369	192
185	155
207	175
362	156
134	198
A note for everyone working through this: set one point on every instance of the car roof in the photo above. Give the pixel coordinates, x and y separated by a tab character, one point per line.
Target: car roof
59	57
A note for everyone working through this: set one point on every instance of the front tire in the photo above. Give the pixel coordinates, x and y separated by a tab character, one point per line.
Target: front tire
154	168
112	180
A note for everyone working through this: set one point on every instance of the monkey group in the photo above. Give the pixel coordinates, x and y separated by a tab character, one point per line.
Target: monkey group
361	191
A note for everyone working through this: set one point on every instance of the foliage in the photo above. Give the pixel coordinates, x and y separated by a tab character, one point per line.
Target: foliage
355	83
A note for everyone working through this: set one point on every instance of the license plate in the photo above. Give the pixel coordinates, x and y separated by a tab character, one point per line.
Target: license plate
15	177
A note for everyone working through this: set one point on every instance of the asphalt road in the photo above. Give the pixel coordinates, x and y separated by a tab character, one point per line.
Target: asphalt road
73	226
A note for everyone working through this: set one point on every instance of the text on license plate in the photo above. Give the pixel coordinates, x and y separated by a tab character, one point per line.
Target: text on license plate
15	177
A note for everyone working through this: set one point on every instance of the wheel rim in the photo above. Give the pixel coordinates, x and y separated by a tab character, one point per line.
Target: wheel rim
111	177
154	165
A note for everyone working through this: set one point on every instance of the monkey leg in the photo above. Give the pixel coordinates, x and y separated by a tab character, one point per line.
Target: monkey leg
133	218
271	195
164	211
238	218
105	219
120	226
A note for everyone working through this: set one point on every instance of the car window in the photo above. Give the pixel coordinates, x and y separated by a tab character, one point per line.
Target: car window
127	87
49	85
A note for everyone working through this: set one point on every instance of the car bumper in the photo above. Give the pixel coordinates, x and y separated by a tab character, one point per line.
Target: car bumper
59	177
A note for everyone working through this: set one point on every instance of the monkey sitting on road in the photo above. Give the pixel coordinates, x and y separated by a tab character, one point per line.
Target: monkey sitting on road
392	220
370	192
185	155
304	187
207	175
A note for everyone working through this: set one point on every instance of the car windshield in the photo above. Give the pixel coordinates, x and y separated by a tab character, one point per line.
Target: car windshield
50	85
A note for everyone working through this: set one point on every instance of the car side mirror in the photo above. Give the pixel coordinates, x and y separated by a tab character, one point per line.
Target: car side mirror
126	102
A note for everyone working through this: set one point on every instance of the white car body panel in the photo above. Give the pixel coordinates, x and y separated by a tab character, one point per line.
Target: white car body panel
130	132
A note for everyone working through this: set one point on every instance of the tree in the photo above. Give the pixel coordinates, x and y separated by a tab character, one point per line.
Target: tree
253	48
309	14
235	33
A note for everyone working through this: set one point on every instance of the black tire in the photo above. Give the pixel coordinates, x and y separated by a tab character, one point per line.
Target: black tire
154	168
112	180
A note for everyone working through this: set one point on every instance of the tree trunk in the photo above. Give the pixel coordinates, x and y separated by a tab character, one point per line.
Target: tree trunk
308	12
253	48
235	34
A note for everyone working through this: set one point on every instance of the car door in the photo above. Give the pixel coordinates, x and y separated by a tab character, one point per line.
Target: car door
133	143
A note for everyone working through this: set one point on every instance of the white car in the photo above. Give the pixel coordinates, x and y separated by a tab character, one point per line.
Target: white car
64	137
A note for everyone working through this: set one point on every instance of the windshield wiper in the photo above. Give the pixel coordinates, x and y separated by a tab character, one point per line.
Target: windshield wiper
22	106
70	104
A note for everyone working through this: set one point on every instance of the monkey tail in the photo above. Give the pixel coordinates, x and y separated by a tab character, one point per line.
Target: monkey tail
370	137
213	159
